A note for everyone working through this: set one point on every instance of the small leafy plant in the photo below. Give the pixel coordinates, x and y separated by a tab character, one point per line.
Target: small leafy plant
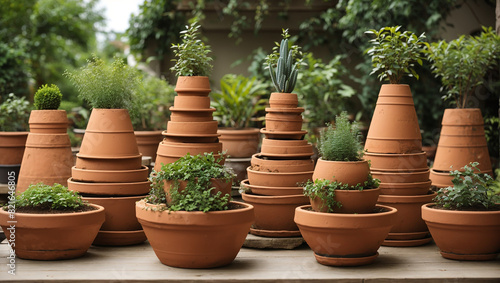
48	97
342	142
394	53
14	114
238	101
470	191
192	54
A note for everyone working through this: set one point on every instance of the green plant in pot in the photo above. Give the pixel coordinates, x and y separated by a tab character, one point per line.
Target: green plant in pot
465	219
188	217
52	222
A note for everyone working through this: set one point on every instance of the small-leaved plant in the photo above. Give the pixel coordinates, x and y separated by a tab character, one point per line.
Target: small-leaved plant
47	97
14	114
394	53
341	142
191	54
470	191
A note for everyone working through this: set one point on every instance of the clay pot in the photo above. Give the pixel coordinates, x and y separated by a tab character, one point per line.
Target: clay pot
464	235
278	179
339	239
286	148
120	212
402	176
48	121
110	176
272	191
12	146
394	126
110	189
353	201
261	163
53	236
147	142
283	121
283	135
219	185
108	163
397	162
186	138
192	86
274	214
196	239
283	100
169	152
192	128
191	102
405	189
345	172
239	142
191	115
239	166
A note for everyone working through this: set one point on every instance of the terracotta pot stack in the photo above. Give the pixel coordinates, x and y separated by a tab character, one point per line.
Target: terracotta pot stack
12	145
109	172
191	128
394	148
277	172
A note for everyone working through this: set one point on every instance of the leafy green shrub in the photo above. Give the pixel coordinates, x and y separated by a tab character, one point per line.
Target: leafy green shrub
192	54
14	114
238	101
470	191
342	142
394	53
48	97
462	63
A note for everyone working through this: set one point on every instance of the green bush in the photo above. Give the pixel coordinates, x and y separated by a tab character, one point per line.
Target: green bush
48	97
342	142
14	114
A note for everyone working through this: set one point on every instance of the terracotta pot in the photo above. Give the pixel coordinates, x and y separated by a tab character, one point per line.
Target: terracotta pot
192	86
353	201
189	138
286	148
239	166
340	239
345	172
191	115
196	239
261	163
464	235
397	162
191	102
283	122
48	121
53	236
116	163
219	185
110	176
147	142
405	189
192	128
430	151
275	213
277	179
120	212
283	100
283	135
12	146
169	152
272	191
394	126
239	142
462	141
402	176
110	189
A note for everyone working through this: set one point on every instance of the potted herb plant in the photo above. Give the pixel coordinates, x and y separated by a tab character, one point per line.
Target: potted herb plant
199	227
464	220
52	223
462	65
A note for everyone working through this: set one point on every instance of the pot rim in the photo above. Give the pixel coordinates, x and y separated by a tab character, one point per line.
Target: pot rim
406	199
429	207
52	215
349	217
395	154
279	173
342	162
246	182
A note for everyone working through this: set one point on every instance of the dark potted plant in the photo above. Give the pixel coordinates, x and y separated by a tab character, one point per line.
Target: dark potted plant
462	65
199	227
465	219
52	223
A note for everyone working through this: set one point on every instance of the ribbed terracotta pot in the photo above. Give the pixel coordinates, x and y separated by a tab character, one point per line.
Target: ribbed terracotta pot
345	172
271	191
119	210
394	126
219	185
290	149
53	236
196	239
110	189
147	142
283	121
191	115
464	235
397	162
339	239
191	102
462	141
110	176
169	152
12	146
192	86
261	163
353	201
283	100
48	121
278	179
109	163
239	143
192	128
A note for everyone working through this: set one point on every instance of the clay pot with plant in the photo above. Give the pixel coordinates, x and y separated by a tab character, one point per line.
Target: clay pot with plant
48	157
464	219
462	65
198	227
53	223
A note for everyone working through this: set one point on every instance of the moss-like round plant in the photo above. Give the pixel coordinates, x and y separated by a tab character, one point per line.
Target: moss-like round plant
48	97
191	54
341	142
14	114
394	53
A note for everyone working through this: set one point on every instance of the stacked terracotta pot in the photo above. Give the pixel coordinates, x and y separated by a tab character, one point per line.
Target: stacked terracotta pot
276	175
191	128
109	172
394	148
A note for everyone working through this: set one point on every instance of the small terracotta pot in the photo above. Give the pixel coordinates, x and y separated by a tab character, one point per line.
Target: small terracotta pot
272	191
12	145
116	163
147	142
286	148
261	163
219	185
191	115
402	176
464	235
191	102
53	236
345	172
110	176
110	189
283	100
283	122
277	179
239	143
48	121
192	128
340	239
283	135
353	201
196	239
192	86
169	152
397	162
405	189
394	126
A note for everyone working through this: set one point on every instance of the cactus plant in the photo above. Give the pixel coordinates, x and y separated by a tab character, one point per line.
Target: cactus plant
48	97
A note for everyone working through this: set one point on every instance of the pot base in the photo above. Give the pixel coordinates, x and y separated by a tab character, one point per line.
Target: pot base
345	261
408	236
119	238
50	255
274	233
469	257
407	243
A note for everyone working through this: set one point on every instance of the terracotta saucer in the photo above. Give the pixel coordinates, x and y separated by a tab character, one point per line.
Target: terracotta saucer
118	189
406	243
408	236
119	238
292	135
469	257
285	110
110	176
275	233
345	261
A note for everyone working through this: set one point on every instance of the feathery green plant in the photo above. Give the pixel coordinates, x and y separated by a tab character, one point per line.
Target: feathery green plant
48	97
342	142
